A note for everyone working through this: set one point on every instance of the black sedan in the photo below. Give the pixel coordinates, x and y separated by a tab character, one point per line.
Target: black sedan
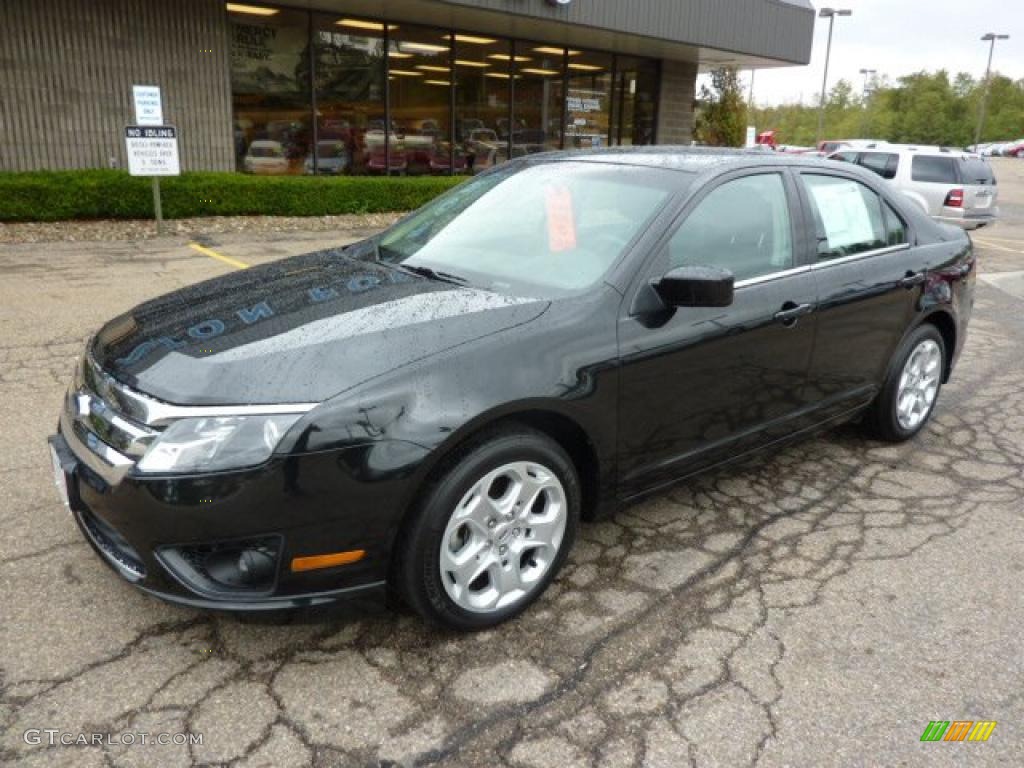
436	408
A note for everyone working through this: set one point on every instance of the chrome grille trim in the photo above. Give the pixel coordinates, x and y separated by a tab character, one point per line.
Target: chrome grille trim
155	413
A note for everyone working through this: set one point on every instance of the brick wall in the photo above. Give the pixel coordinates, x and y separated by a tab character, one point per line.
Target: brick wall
675	110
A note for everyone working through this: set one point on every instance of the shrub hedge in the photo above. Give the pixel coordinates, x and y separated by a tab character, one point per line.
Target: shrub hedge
110	194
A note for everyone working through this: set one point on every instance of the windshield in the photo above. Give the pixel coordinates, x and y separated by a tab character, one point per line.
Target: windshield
541	231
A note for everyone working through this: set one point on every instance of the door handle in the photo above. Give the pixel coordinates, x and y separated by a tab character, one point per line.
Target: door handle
913	279
791	312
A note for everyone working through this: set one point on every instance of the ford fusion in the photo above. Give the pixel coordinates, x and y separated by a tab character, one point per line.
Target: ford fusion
435	409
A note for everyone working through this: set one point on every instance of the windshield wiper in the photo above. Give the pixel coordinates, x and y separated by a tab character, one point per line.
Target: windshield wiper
433	274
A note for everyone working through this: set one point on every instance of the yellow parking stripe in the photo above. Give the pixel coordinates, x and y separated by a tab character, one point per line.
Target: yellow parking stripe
218	256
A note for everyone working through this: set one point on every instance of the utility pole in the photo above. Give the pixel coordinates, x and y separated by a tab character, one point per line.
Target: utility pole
991	37
830	14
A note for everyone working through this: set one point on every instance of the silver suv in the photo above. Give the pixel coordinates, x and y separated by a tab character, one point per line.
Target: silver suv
951	186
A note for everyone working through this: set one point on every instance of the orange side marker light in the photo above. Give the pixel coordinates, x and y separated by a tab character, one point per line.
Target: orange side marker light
315	562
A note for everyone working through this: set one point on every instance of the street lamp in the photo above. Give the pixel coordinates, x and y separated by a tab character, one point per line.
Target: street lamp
830	14
991	37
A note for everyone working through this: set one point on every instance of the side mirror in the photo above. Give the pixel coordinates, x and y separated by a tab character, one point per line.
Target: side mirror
696	287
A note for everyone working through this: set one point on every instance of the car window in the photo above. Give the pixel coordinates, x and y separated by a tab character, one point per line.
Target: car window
845	157
882	163
847	215
895	227
742	226
976	171
937	170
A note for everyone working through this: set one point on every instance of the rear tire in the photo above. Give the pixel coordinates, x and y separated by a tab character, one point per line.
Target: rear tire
911	389
491	532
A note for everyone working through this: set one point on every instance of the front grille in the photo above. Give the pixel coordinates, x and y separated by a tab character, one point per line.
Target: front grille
97	427
113	546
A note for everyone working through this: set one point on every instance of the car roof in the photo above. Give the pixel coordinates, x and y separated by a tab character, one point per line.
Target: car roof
678	158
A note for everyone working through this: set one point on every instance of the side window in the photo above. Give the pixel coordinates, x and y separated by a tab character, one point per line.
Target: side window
742	226
895	228
937	170
847	215
845	157
882	163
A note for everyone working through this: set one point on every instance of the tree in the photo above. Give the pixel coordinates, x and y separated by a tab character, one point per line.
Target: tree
722	117
922	108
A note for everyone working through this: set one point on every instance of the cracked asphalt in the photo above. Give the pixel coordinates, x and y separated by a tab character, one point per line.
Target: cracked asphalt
815	607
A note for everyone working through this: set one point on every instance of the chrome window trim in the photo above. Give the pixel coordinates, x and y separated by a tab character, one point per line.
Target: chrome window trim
819	266
772	276
156	413
858	256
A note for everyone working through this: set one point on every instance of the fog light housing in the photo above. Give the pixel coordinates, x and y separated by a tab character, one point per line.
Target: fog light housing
244	568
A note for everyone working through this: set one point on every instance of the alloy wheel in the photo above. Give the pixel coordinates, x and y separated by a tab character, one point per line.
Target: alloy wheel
919	385
503	536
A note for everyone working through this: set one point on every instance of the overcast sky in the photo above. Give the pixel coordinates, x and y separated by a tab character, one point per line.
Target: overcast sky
898	37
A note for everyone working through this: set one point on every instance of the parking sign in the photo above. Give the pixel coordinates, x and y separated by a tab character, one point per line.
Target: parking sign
152	150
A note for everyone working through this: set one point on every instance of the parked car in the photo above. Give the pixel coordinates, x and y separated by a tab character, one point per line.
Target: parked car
265	156
950	186
1015	149
331	158
438	407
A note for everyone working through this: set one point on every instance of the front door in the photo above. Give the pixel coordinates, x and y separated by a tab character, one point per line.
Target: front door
703	384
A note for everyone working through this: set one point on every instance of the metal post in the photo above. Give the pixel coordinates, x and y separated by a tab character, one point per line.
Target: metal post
157	206
824	83
988	73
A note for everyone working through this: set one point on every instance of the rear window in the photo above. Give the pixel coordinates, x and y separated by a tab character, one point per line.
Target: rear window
975	171
938	170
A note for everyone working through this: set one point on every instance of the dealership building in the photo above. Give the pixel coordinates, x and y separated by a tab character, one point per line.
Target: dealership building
371	86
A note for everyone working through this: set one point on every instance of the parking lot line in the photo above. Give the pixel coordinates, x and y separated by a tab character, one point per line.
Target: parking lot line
989	244
219	256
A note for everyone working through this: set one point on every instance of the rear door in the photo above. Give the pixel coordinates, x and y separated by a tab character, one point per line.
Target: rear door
869	280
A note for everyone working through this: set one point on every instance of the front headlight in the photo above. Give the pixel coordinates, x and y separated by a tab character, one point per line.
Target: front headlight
214	443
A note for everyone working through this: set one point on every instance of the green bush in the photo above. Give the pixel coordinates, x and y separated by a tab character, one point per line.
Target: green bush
107	194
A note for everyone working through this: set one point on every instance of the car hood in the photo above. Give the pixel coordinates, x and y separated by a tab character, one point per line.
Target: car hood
296	331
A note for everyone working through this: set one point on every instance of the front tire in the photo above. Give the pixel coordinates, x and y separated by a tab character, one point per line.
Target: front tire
911	390
492	532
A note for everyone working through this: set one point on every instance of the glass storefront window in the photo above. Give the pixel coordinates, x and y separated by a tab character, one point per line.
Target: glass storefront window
482	88
635	101
350	91
420	80
271	89
589	100
332	94
539	98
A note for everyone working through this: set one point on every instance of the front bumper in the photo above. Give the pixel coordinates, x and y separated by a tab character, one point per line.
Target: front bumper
148	530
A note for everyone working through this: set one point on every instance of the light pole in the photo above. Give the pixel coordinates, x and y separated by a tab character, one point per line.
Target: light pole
868	74
991	37
830	14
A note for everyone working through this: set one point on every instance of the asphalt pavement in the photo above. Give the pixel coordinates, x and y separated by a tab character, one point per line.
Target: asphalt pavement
816	607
